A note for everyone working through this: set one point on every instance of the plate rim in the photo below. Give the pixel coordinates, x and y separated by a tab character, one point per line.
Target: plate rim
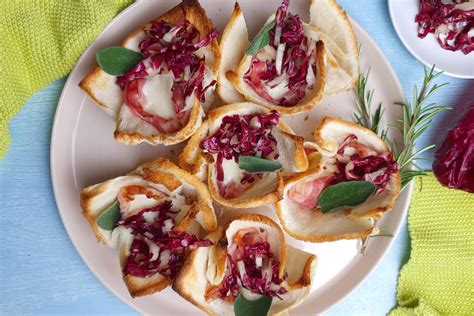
412	51
55	134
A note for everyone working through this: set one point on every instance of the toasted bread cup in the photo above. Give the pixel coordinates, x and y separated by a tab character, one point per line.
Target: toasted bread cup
299	214
234	46
268	189
157	182
342	55
131	129
206	268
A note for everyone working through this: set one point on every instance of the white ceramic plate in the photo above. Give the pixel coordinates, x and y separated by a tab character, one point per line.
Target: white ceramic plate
83	152
427	50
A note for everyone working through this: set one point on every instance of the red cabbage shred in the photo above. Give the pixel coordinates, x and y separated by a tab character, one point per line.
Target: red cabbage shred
298	58
254	278
454	160
453	27
364	166
247	135
139	262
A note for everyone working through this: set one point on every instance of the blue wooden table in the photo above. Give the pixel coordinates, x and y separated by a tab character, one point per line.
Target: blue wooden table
41	273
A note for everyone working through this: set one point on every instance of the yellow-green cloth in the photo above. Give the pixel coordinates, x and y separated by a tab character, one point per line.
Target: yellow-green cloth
40	42
439	276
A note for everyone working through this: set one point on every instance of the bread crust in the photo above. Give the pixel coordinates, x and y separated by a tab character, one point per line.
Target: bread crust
136	289
353	48
188	271
317	134
237	44
89	82
133	138
86	201
190	158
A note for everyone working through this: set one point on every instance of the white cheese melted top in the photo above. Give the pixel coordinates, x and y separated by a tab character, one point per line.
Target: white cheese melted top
232	172
157	91
140	202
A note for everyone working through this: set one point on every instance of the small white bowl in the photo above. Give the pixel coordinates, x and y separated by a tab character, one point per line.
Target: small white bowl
427	50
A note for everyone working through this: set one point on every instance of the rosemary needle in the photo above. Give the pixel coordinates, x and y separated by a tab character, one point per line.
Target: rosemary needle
416	118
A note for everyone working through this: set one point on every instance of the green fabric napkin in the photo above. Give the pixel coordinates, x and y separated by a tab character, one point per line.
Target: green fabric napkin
41	41
439	277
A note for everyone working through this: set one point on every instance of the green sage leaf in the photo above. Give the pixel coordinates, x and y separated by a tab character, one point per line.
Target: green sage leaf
117	60
109	217
345	194
244	307
253	164
261	40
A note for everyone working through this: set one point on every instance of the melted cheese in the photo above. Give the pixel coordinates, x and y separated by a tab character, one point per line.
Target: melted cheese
280	89
168	37
157	91
189	102
154	249
164	258
232	172
140	202
267	53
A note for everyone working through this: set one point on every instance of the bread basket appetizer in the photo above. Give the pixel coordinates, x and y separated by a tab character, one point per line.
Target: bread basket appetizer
152	216
352	180
159	83
243	150
248	262
282	68
290	65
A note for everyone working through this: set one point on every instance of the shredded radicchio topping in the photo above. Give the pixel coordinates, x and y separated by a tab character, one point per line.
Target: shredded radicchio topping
452	21
286	64
169	48
244	271
174	46
156	248
372	167
246	135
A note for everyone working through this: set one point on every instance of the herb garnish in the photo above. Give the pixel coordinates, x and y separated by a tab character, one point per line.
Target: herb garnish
253	164
109	217
261	40
244	307
117	60
416	118
345	194
363	100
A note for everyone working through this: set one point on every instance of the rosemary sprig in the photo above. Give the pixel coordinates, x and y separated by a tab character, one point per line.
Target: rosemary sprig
363	101
416	118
